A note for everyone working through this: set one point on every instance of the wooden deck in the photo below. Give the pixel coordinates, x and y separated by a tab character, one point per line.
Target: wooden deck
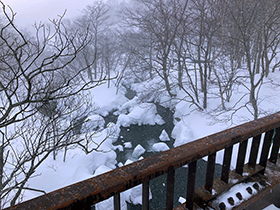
270	179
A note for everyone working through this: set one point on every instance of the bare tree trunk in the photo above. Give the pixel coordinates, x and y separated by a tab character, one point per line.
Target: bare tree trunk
165	76
253	101
109	77
180	72
95	54
205	86
1	167
151	63
89	70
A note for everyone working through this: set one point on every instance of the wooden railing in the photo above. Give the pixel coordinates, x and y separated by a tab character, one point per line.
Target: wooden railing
82	195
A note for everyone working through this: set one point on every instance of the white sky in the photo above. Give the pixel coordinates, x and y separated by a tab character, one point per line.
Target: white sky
29	11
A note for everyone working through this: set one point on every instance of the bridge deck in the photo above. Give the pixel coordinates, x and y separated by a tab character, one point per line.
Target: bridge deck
269	180
271	198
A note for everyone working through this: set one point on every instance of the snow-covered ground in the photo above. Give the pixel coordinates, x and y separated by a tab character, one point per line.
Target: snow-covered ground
192	124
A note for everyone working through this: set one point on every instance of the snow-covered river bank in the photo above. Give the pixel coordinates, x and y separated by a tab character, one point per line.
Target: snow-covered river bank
135	122
140	141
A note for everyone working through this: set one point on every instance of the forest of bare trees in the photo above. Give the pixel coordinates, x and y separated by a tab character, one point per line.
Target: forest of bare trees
203	48
198	45
41	97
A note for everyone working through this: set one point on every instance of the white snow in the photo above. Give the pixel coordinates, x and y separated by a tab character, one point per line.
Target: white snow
241	188
138	151
164	136
106	99
98	154
142	114
109	203
182	200
159	147
182	134
127	145
102	169
93	123
271	207
128	161
78	165
135	195
118	147
190	124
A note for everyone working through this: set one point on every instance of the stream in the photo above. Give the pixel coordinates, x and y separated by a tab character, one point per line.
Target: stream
146	136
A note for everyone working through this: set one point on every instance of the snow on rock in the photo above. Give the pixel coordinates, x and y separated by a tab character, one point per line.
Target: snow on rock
164	136
107	158
127	145
118	147
138	151
142	114
182	200
127	106
104	153
101	169
159	147
135	195
128	161
271	207
113	131
93	123
182	134
100	141
110	102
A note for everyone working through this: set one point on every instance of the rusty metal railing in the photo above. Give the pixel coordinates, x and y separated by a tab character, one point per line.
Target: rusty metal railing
82	195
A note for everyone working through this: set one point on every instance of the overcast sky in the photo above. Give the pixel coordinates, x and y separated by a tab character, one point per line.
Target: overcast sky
29	11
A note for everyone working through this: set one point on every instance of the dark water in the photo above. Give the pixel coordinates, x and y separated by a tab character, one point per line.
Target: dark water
158	186
146	136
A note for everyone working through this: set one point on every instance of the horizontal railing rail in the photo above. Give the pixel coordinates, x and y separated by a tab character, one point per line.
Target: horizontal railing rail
82	195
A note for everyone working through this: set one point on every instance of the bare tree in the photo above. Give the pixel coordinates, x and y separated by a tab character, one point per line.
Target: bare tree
93	21
160	21
41	98
256	32
111	55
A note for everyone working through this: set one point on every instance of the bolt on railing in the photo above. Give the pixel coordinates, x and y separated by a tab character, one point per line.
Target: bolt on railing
82	195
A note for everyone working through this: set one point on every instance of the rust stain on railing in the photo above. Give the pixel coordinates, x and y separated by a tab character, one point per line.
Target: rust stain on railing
83	194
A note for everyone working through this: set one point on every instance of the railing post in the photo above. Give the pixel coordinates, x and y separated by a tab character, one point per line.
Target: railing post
254	151
117	203
145	195
170	188
241	157
210	172
191	184
275	148
226	164
265	149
